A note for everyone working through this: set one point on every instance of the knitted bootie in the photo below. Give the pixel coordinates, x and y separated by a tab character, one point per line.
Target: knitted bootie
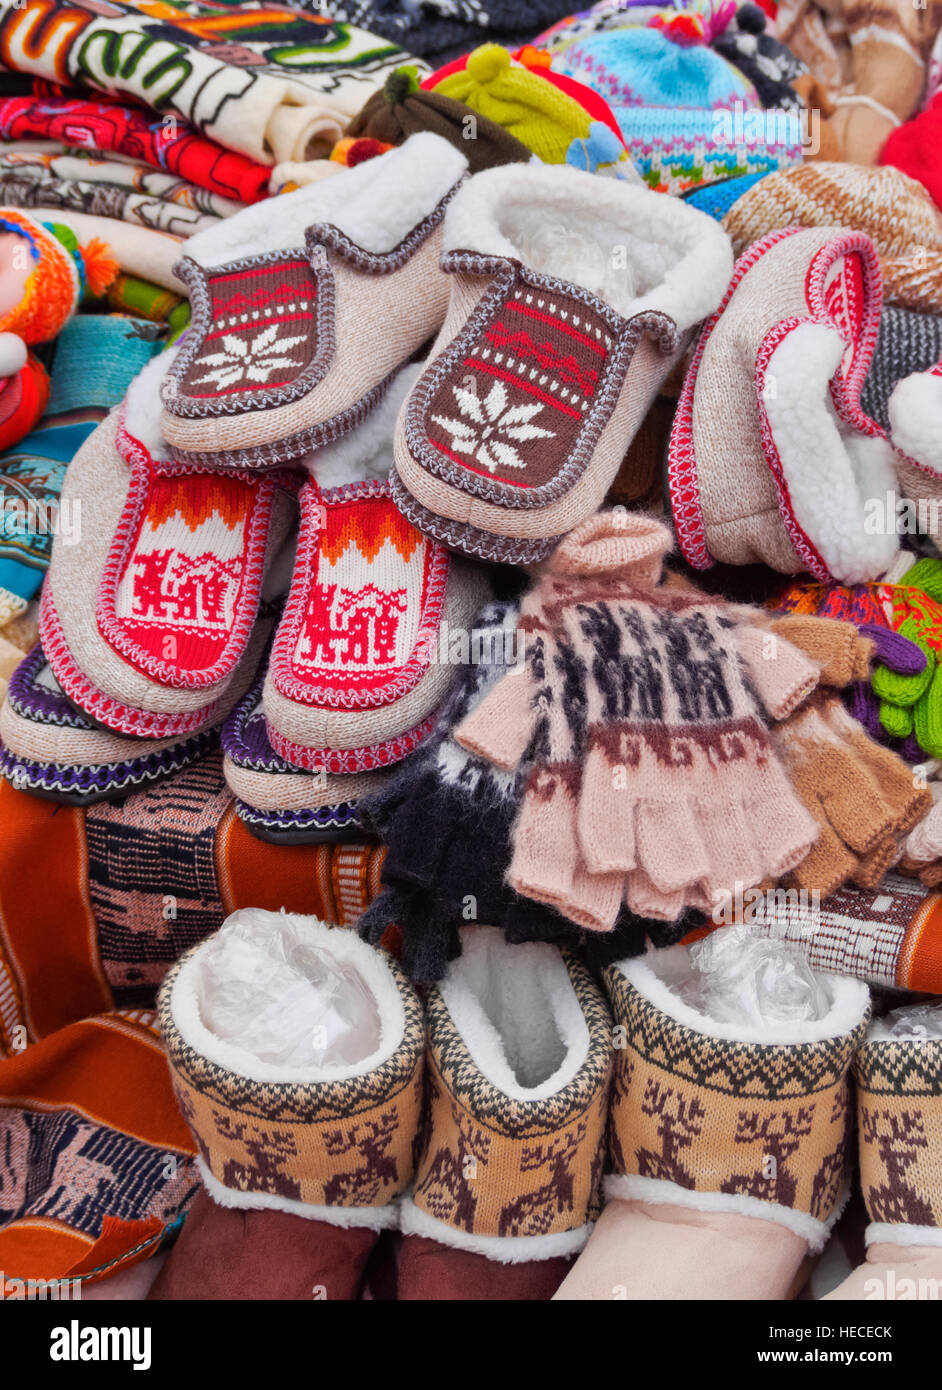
356	675
280	803
306	1130
152	618
899	1111
559	334
518	1067
915	410
771	405
51	749
728	1140
300	322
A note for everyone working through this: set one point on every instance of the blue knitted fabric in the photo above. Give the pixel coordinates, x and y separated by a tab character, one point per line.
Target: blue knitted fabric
641	67
717	198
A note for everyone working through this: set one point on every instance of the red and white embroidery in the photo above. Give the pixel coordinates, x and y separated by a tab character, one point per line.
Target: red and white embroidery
366	598
180	589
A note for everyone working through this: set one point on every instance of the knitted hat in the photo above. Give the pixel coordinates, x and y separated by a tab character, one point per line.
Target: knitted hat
764	60
687	115
717	198
402	108
59	273
562	122
916	148
894	210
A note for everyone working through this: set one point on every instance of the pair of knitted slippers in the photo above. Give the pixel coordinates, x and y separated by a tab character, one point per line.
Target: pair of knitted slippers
772	458
555	331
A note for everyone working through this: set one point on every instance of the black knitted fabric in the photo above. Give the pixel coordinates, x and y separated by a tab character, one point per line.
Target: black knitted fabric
764	60
442	29
446	819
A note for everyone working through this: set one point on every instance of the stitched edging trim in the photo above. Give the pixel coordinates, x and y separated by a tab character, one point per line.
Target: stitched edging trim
507	273
22	689
367	759
682	482
281	451
845	391
196	278
411	672
114	714
143	468
93	779
469	540
340	816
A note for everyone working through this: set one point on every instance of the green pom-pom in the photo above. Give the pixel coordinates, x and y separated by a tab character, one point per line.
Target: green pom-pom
401	83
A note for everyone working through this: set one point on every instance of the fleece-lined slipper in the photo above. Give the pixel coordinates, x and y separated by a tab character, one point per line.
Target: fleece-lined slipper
561	328
183	561
915	410
49	748
302	319
771	457
278	802
357	673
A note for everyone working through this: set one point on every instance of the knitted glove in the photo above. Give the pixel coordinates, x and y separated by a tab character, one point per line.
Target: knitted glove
912	704
922	849
653	777
446	819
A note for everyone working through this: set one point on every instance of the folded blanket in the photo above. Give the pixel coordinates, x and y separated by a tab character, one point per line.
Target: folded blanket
89	166
270	84
44	190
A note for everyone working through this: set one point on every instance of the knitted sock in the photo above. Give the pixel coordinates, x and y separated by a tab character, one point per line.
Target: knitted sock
296	1054
728	1141
519	1060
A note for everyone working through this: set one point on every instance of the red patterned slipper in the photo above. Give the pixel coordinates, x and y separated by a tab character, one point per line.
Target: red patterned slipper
301	321
180	556
356	674
772	459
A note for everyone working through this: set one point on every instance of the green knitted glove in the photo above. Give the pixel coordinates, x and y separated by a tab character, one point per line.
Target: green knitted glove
913	704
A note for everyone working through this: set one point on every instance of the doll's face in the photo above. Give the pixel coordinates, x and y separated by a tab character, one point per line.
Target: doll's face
16	263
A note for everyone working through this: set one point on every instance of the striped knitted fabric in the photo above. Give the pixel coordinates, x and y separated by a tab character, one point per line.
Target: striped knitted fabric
894	210
908	342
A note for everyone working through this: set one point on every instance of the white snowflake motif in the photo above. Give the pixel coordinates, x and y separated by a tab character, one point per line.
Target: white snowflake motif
254	361
489	427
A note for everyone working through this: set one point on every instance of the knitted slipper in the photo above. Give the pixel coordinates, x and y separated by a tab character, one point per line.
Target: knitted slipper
518	1066
181	559
915	410
49	748
771	457
276	801
301	321
560	331
296	1053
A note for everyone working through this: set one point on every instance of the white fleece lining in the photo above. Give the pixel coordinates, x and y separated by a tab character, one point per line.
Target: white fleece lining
636	249
376	204
505	1250
365	452
882	1233
830	471
142	404
915	410
849	999
518	1014
374	1218
344	946
633	1188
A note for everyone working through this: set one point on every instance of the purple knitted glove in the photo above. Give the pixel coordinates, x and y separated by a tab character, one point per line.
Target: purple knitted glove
894	650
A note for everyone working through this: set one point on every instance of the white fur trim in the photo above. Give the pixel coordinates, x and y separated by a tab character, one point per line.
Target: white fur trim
142	404
831	472
633	1188
374	1218
636	249
882	1233
343	946
915	410
505	1250
375	204
517	1013
365	452
849	1000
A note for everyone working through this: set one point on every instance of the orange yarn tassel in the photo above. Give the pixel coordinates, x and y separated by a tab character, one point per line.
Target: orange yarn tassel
101	267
